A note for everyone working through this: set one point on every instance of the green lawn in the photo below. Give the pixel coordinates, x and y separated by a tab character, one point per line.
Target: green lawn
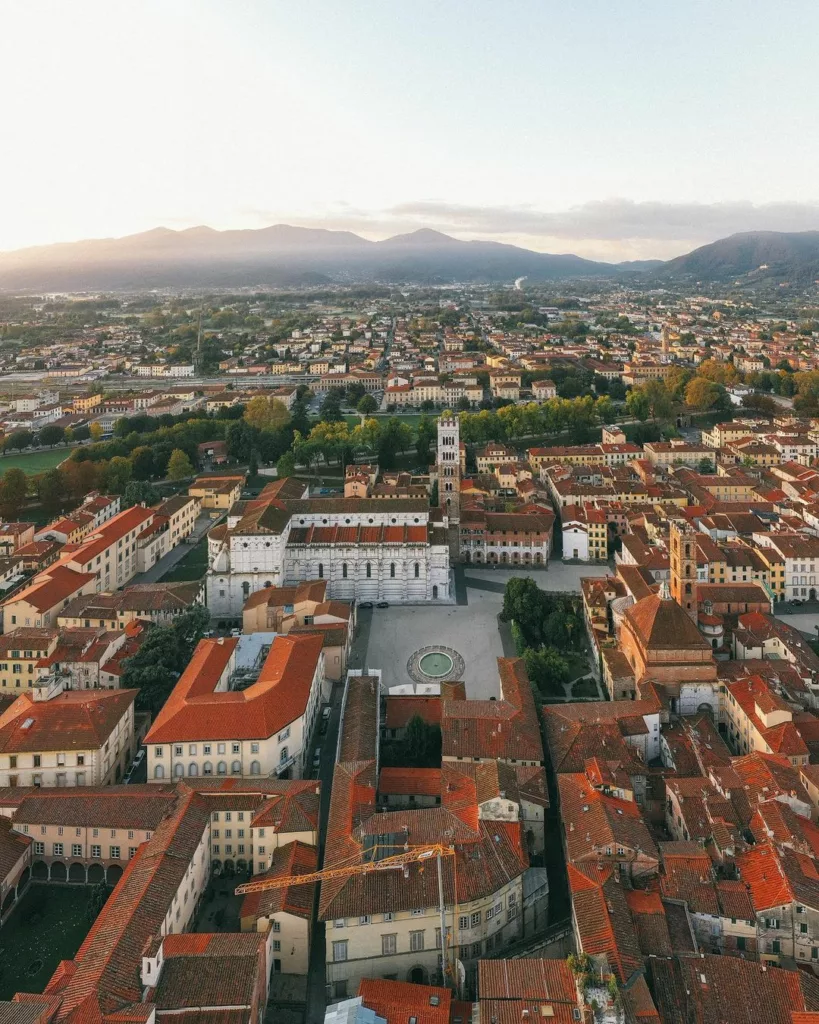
48	926
34	462
192	567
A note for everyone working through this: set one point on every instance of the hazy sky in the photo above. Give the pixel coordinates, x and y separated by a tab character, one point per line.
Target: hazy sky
612	129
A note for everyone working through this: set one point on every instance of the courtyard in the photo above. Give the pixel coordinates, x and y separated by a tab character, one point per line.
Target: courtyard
48	926
390	636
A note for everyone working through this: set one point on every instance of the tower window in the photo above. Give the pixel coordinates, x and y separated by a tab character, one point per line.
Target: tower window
321	571
392	570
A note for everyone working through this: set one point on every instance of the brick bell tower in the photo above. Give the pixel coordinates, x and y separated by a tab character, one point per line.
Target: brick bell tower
449	479
683	558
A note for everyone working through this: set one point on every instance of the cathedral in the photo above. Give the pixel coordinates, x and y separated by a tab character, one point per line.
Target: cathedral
367	549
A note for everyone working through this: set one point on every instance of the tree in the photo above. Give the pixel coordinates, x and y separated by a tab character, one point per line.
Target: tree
286	466
19	439
395	437
139	492
546	668
266	413
637	404
525	604
366	405
96	901
96	431
422	744
142	463
425	435
51	490
253	463
717	372
701	394
13	492
240	440
179	465
51	434
158	663
330	411
116	475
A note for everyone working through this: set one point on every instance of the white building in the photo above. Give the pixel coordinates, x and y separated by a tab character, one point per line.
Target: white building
368	549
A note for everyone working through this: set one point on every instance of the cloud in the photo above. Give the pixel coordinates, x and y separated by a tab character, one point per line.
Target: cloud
618	219
608	229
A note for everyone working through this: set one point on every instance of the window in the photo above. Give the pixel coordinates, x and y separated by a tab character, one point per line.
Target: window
131	852
277	945
283	735
255	768
463	922
321	577
476	949
207	768
803	929
339	951
234	748
36	760
388	916
39	848
177	751
416	941
254	748
159	772
388	944
369	570
96	851
364	919
114	853
392	570
417	570
775	946
344	570
76	850
221	768
476	918
741	943
58	849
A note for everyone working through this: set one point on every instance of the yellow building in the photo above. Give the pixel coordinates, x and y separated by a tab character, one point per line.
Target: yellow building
217	492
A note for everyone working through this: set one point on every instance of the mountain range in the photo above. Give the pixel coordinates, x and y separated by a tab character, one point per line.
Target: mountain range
283	255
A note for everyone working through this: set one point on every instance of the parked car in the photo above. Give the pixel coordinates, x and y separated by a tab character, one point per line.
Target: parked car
236	632
366	604
140	757
383	604
317	757
796	603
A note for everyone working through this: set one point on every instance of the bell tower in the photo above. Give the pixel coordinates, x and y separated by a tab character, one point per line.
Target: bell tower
449	478
683	558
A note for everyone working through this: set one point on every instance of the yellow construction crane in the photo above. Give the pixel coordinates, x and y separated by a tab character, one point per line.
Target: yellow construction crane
411	855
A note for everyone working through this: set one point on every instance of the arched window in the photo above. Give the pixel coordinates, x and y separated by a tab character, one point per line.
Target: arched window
708	607
236	768
179	770
321	571
267	584
283	755
688	588
392	570
417	570
255	768
344	570
159	771
687	550
207	768
193	769
369	570
221	768
246	590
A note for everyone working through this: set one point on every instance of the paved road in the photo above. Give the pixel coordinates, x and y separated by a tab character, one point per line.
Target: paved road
165	564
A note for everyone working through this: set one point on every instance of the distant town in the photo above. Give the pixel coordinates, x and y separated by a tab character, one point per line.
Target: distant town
410	655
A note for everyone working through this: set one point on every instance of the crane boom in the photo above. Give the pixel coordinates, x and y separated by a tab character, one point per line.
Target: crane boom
412	856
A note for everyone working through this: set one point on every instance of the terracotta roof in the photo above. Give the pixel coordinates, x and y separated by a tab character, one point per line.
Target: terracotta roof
662	624
53	585
398	1001
73	720
291	859
194	711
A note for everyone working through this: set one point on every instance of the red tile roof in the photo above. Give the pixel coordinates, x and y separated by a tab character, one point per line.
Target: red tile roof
73	720
278	697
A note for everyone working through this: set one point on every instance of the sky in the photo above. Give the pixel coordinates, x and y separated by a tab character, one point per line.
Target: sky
615	130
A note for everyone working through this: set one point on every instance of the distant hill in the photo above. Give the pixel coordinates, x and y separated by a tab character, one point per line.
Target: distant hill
759	255
278	255
285	256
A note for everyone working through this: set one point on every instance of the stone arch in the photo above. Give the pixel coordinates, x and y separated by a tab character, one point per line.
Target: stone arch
59	872
229	867
113	874
418	975
241	864
76	873
435	592
96	874
24	878
9	900
217	867
39	870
